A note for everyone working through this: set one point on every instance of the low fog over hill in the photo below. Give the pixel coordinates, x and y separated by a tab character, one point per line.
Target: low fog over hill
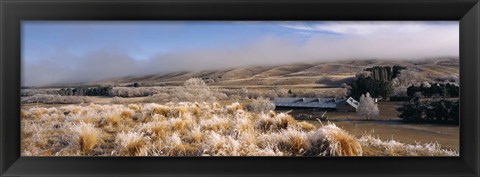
80	52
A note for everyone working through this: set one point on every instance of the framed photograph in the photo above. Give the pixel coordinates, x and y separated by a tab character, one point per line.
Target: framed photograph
247	88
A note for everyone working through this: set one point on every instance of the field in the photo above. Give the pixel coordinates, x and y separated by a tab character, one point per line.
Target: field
193	129
230	113
388	126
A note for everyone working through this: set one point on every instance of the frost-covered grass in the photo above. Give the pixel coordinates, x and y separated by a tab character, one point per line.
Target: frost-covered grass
57	99
191	129
375	147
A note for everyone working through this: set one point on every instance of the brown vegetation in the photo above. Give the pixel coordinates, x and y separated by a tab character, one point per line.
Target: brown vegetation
189	129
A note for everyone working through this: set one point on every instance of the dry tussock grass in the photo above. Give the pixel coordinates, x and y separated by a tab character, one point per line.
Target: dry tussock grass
190	129
88	136
330	140
130	143
376	147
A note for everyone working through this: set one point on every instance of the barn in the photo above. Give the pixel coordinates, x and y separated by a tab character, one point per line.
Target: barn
331	104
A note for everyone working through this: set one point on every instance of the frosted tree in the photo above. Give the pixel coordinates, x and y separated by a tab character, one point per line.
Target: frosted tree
282	92
243	93
198	91
405	79
262	105
367	107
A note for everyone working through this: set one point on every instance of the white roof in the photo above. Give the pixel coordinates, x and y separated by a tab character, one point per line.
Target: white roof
353	102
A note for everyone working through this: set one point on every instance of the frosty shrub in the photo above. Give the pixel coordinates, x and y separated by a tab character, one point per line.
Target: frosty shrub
195	83
252	94
157	98
367	107
262	105
223	93
56	99
282	92
31	92
220	96
452	78
197	91
243	92
133	92
405	79
271	94
193	90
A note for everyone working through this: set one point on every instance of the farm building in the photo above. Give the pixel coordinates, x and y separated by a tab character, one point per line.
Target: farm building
334	104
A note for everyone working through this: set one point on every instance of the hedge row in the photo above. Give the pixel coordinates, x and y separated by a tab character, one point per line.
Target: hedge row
430	111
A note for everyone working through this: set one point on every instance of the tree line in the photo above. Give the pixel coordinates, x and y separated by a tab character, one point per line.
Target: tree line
434	90
445	111
87	91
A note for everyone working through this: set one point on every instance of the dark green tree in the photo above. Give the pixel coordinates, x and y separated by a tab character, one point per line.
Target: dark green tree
396	70
412	110
377	88
434	111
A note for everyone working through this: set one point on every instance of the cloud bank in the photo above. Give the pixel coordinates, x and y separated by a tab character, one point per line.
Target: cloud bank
314	43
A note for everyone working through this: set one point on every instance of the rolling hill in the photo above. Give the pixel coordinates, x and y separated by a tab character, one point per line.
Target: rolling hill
322	74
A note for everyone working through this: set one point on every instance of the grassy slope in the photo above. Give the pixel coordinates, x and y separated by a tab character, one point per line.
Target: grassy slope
292	74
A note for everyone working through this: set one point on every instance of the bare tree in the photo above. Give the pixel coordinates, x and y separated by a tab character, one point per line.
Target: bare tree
367	107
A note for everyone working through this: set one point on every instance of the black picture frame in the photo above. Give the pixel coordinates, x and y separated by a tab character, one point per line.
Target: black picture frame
14	11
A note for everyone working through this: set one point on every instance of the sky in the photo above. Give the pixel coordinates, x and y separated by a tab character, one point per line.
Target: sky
80	51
